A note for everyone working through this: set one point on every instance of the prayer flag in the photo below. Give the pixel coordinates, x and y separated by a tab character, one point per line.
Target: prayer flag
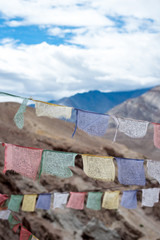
131	127
129	199
19	117
92	123
111	200
131	171
99	168
15	202
76	200
52	110
23	160
29	202
153	168
156	135
34	238
57	163
14	222
94	200
44	201
60	200
4	214
150	196
24	234
3	198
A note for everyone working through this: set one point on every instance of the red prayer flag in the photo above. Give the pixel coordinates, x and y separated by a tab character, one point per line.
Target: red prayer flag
156	135
76	200
23	160
3	198
24	234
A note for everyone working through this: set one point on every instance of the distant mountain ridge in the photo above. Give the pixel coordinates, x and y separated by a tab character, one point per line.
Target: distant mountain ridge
145	107
97	101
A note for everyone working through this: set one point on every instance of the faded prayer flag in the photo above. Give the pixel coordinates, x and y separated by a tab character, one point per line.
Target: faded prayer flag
93	123
156	137
29	202
44	201
23	160
131	127
4	214
24	234
3	198
131	171
150	196
111	200
94	200
57	163
153	168
99	168
129	199
19	117
14	222
76	200
52	110
15	202
60	200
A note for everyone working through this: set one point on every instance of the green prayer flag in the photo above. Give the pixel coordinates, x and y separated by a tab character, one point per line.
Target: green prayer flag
13	221
15	202
94	200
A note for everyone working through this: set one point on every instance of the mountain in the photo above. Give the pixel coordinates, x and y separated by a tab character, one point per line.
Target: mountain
70	224
145	107
97	101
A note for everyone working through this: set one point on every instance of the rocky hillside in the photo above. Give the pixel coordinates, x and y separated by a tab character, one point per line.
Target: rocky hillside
146	107
142	223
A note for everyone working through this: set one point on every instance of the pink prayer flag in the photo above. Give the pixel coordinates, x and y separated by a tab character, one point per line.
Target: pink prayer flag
24	234
3	198
156	135
23	160
76	200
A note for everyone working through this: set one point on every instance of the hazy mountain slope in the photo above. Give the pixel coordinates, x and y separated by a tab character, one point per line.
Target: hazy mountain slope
145	107
67	224
99	101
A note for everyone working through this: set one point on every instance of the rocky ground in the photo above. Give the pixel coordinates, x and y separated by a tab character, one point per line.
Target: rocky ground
70	224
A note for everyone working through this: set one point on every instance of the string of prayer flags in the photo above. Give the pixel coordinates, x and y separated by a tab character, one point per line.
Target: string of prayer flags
57	163
131	171
29	202
60	200
156	137
15	202
99	168
150	196
25	234
111	200
94	200
153	168
129	199
131	127
3	198
23	160
44	201
52	110
76	200
92	123
19	117
4	214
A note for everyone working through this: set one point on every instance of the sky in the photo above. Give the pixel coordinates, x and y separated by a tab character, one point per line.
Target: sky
51	49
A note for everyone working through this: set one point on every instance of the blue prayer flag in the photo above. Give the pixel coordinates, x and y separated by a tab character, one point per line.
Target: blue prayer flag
44	201
129	199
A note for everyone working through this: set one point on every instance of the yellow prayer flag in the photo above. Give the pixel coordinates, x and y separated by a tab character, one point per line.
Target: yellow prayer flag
99	168
29	202
111	200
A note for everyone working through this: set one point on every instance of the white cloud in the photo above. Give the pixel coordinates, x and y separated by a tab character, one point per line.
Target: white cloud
112	57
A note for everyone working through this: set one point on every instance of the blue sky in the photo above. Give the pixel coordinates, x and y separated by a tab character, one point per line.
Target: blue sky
52	49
